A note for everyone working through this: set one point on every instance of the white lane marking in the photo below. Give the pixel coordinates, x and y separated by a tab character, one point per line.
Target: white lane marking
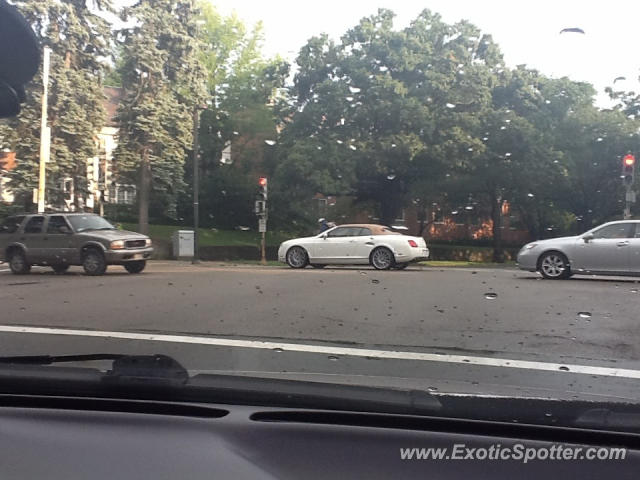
328	350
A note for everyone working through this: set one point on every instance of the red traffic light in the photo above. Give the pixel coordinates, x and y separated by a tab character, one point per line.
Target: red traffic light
262	181
629	160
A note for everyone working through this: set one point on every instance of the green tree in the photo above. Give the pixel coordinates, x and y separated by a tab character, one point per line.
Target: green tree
164	83
79	38
242	85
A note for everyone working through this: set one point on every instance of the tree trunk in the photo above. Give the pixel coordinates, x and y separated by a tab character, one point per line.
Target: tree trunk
144	192
496	217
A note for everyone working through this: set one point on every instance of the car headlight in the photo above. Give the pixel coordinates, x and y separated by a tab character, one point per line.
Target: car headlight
529	246
116	245
147	242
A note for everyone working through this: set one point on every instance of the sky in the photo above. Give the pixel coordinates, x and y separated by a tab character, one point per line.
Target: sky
527	31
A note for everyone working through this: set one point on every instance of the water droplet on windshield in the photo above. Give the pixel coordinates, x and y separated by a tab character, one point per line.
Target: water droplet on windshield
270	142
490	296
391	176
503	127
584	314
530	195
547	102
354	89
319	148
332	357
432	389
563	368
349	99
450	105
375	280
278	349
470	149
599	139
339	142
352	147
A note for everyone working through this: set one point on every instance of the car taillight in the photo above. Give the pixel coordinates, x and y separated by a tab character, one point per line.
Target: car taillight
413	243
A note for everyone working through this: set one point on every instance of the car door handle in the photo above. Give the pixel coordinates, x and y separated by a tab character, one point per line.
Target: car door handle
622	244
369	243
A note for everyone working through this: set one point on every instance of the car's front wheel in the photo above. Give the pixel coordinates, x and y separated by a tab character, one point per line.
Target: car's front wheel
382	258
554	266
297	257
94	263
135	267
18	263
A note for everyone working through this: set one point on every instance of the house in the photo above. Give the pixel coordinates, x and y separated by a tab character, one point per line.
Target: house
7	163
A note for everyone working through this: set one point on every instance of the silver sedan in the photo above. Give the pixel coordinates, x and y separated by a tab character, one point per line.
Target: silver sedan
610	249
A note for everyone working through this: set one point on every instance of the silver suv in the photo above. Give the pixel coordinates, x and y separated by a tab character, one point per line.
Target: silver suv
60	240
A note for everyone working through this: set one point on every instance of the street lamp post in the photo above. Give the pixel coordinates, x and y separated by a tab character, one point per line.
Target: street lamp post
196	184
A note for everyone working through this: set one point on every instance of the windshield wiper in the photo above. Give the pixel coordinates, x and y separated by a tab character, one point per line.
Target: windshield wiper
150	369
161	377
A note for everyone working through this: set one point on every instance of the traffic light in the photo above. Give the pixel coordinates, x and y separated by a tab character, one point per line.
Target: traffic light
261	200
262	183
628	169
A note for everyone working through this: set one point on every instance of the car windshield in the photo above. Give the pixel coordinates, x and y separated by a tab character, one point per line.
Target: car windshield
387	193
82	223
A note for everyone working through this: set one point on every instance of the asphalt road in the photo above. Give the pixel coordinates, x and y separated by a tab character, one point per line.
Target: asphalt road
514	330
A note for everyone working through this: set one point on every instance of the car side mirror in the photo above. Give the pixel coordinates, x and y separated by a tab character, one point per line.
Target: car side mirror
588	237
64	229
323	236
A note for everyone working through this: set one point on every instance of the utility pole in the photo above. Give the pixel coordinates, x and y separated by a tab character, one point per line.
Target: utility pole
196	184
45	132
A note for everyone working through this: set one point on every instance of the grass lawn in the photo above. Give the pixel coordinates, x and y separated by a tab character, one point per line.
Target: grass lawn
210	237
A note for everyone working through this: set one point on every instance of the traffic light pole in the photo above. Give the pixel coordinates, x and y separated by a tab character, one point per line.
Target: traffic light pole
263	248
627	203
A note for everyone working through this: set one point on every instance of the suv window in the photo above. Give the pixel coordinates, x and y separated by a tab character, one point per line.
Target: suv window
34	225
11	225
55	223
617	230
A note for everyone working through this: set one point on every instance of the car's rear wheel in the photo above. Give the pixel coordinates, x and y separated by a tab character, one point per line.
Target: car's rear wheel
94	263
401	266
297	257
18	262
136	266
60	269
554	266
382	258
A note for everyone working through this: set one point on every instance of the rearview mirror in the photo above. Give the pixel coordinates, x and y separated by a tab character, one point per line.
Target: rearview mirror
588	237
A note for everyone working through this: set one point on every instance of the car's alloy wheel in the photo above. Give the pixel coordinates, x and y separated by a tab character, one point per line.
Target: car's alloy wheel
94	263
297	257
554	265
382	259
18	263
136	266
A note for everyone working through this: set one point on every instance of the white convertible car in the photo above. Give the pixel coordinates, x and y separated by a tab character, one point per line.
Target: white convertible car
364	244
